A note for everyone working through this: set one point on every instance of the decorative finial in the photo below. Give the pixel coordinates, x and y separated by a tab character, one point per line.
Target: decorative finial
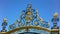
29	7
55	19
4	24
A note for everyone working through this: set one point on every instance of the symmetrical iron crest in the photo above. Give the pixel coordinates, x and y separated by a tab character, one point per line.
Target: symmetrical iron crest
29	17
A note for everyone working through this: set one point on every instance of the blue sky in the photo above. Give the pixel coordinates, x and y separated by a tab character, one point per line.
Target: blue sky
11	9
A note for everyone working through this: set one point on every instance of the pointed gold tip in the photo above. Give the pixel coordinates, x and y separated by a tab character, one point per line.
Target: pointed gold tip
55	14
